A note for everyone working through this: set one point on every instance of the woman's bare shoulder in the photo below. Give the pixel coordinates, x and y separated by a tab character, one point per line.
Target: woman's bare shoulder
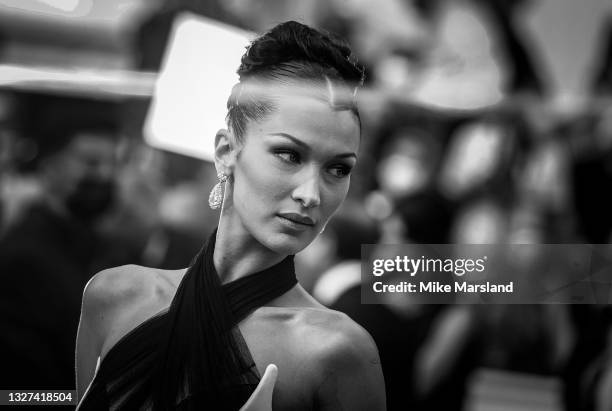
321	332
341	359
122	297
337	334
127	284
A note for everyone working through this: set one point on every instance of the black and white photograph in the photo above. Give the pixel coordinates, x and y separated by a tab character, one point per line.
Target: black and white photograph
294	205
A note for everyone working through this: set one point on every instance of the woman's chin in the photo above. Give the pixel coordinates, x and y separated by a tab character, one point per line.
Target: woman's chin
287	244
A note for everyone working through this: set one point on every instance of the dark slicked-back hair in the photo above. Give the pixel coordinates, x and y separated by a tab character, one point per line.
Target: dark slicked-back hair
292	54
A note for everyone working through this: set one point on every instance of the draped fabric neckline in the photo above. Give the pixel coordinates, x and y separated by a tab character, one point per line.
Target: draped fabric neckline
239	293
164	362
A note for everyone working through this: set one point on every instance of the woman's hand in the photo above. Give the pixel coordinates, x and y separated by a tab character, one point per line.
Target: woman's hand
261	399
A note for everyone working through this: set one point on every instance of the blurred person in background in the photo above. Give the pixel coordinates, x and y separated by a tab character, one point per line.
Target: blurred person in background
17	190
590	172
408	154
158	218
588	135
50	253
187	224
406	173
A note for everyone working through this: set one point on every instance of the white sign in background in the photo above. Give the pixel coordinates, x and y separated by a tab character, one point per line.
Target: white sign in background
198	72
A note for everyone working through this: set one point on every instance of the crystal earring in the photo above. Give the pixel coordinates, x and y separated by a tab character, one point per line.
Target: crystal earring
215	199
323	229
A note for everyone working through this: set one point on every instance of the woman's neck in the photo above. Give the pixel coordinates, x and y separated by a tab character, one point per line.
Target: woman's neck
237	253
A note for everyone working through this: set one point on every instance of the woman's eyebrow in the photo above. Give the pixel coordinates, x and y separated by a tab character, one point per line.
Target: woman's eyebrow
346	155
294	139
306	147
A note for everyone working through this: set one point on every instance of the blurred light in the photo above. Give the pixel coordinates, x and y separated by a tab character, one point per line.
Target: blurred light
46	6
480	223
495	389
565	34
463	72
111	16
400	175
197	76
336	281
77	81
63	5
378	206
396	73
473	156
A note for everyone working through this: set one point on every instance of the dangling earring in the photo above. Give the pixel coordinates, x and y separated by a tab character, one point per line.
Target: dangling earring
323	229
215	199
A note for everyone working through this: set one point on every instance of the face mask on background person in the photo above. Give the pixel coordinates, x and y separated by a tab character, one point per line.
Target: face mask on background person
91	198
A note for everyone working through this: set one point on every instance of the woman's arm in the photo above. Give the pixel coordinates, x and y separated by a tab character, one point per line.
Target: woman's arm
103	299
350	377
89	334
114	300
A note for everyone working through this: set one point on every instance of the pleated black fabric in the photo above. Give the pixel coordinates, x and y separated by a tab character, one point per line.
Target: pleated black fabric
191	356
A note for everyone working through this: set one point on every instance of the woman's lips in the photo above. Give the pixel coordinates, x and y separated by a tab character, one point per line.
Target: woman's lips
295	220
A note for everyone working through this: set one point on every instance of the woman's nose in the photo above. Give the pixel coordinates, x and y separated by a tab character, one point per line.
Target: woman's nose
308	191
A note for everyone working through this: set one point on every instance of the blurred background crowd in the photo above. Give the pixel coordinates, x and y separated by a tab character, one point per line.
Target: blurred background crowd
484	121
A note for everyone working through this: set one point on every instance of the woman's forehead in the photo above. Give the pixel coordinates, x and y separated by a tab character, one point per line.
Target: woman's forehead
312	120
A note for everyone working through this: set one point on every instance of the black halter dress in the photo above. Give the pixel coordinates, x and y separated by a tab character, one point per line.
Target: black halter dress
191	356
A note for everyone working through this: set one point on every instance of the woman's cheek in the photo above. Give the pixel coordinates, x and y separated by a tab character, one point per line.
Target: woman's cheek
273	186
335	198
257	180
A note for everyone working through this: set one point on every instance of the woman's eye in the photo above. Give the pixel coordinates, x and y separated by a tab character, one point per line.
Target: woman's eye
340	171
288	156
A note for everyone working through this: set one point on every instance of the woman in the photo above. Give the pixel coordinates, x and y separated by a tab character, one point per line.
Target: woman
200	338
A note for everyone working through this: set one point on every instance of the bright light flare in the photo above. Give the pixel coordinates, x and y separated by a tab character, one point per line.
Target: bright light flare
197	76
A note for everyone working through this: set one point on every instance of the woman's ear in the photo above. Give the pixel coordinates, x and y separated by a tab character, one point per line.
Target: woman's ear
225	152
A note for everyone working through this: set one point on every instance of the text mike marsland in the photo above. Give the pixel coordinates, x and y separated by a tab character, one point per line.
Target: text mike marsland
437	287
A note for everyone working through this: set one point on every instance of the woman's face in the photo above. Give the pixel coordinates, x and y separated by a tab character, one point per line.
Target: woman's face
292	172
